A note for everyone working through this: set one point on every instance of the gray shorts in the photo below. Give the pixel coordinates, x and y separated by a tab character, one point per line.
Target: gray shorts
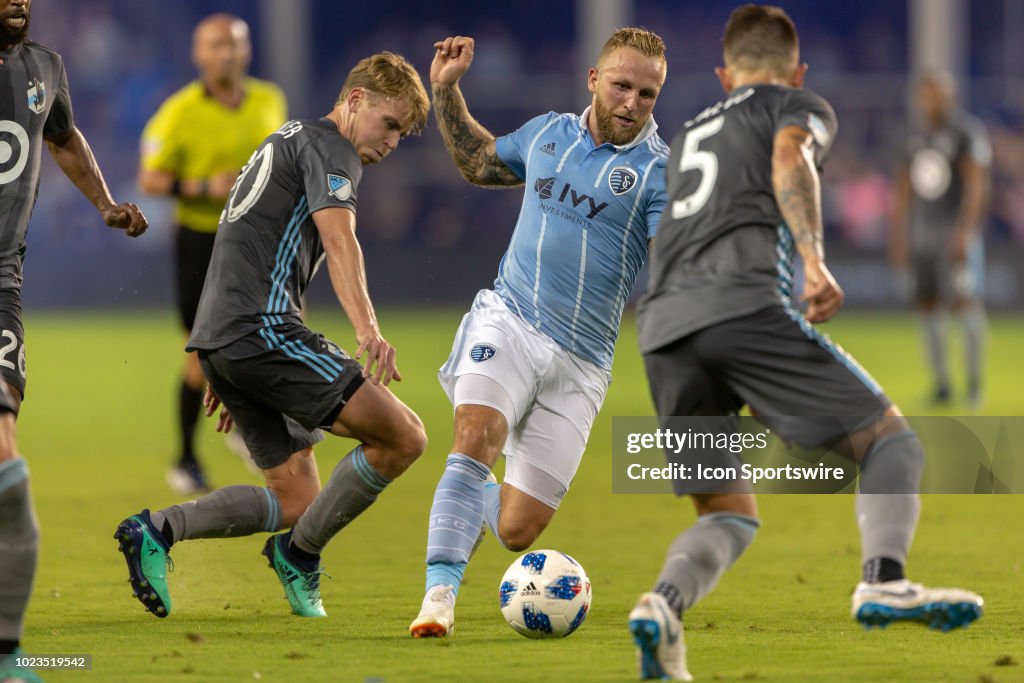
799	383
282	385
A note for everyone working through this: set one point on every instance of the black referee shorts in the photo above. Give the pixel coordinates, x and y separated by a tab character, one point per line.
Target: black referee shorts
192	252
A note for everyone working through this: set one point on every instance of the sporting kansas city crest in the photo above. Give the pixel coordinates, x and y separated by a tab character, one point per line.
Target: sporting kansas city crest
622	179
340	186
37	96
482	352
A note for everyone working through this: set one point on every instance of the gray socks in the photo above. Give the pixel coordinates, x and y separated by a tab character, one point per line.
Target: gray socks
974	322
19	547
353	487
887	503
701	554
935	340
227	512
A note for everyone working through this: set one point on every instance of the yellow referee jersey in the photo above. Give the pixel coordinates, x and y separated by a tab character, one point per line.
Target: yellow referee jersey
193	135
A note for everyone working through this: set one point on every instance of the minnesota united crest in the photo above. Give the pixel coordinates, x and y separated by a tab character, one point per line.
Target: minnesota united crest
622	179
340	186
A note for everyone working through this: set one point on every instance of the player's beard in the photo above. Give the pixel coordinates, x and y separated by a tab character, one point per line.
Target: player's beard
606	126
13	36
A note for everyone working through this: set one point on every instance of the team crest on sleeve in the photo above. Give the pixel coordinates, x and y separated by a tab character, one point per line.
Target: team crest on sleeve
622	179
37	96
482	352
818	130
339	186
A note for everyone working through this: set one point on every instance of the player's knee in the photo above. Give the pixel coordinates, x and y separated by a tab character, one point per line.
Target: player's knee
410	443
480	432
516	534
296	486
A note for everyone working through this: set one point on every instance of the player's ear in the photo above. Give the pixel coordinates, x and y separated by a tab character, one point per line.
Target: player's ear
355	96
592	80
724	77
797	81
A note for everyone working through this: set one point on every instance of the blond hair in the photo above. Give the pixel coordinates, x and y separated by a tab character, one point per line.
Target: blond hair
390	75
646	42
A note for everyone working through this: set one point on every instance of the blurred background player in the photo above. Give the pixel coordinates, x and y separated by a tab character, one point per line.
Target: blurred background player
941	198
531	362
719	331
293	206
192	149
36	107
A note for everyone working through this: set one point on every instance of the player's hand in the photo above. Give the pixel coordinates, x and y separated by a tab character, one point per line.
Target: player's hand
822	294
452	58
211	402
379	367
126	216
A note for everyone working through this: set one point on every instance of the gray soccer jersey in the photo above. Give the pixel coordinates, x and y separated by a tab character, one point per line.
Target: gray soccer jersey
35	105
723	250
933	159
267	246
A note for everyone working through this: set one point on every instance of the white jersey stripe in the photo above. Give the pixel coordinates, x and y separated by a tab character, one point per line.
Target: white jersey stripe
597	180
579	290
536	279
565	156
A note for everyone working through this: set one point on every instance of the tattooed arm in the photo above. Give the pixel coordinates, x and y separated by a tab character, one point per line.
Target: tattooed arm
798	194
470	145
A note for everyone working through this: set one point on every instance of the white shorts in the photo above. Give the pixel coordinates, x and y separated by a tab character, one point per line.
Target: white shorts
554	394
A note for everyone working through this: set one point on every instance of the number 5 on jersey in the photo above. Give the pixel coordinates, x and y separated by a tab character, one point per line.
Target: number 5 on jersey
694	159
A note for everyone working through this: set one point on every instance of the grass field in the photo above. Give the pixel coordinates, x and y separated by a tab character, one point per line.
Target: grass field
97	431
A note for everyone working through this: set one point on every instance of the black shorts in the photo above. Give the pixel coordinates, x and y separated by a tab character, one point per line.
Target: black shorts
936	279
12	340
794	379
282	385
192	252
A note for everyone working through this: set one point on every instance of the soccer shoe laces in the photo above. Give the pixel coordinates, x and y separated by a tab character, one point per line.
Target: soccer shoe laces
311	580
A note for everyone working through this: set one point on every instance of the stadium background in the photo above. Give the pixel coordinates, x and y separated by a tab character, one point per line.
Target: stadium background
431	238
98	431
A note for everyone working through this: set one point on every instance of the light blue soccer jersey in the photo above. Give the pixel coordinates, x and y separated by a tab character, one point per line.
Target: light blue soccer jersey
581	238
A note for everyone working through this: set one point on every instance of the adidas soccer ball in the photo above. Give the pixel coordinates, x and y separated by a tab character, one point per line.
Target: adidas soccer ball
545	594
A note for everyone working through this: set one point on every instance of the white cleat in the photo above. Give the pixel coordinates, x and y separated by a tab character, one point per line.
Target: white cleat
437	614
658	634
879	604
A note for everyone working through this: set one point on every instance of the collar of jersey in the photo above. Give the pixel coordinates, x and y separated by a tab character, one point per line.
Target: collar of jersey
647	131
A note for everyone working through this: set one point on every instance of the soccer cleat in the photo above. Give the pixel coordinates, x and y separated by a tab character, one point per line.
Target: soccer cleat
879	604
658	634
10	673
187	481
437	614
146	553
302	588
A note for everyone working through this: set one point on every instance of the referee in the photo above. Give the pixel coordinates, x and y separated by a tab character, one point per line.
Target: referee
192	150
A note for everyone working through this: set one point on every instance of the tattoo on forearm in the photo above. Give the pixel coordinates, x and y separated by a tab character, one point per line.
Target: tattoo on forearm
466	141
799	202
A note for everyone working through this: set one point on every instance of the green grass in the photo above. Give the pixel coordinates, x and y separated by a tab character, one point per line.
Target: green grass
98	432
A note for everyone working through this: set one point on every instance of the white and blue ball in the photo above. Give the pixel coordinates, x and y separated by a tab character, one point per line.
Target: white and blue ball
545	594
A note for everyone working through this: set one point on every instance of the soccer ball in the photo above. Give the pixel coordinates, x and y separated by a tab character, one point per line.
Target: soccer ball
545	594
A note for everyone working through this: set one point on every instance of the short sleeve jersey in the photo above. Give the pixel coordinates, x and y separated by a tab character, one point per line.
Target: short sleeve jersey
588	212
723	249
267	247
193	135
34	104
933	159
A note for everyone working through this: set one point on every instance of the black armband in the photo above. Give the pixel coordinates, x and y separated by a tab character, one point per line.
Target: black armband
175	190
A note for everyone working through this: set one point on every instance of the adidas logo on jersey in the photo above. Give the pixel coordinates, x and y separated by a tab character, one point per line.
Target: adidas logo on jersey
529	589
548	149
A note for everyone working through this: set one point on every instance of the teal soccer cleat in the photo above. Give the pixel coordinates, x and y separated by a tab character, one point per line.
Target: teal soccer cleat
879	604
302	588
146	553
658	636
16	674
